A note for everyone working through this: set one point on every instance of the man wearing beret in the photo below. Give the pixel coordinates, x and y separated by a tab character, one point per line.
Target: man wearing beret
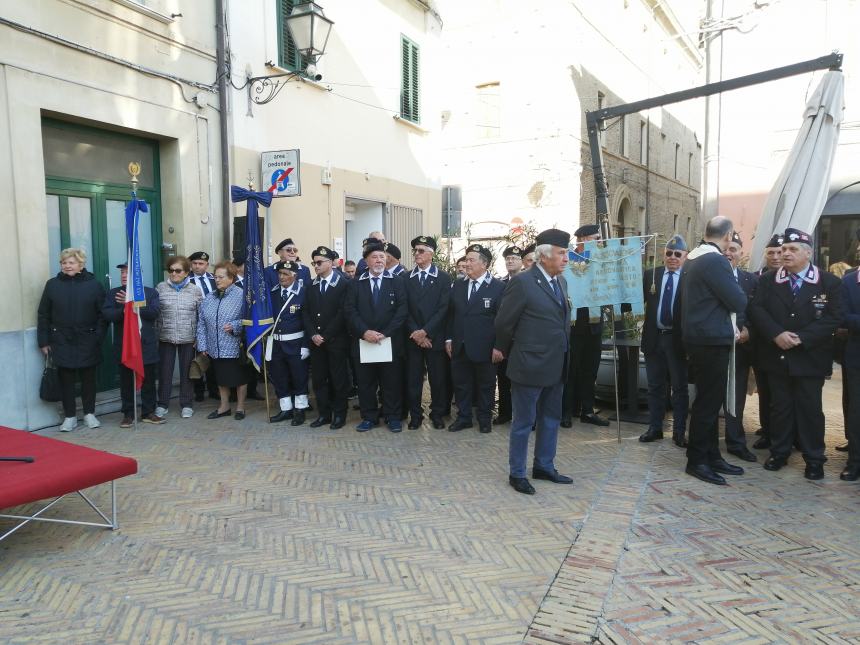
287	252
772	262
663	344
428	290
204	281
514	265
392	260
528	256
372	237
325	323
710	301
795	311
532	332
585	347
470	338
376	309
736	443
287	347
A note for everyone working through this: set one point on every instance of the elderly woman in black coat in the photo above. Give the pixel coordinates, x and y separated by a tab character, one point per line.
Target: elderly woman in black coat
71	329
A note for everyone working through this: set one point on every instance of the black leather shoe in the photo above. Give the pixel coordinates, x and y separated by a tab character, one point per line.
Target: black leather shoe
438	424
743	453
762	443
240	414
850	474
566	422
724	467
500	420
337	423
485	428
217	415
706	474
415	423
775	463
679	440
759	432
651	435
283	415
298	418
814	471
842	447
320	422
521	485
594	420
459	425
554	477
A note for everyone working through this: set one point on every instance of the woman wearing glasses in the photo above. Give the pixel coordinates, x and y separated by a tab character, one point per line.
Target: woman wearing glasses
219	332
180	299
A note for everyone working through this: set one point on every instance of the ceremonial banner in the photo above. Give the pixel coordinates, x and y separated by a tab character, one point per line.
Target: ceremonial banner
135	298
606	273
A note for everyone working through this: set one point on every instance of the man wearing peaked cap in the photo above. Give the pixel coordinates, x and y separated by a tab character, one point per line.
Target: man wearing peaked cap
287	252
796	310
662	344
513	256
424	240
528	256
474	303
373	236
586	337
514	264
532	332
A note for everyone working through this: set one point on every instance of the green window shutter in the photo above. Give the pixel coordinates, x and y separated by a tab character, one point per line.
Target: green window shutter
409	80
288	57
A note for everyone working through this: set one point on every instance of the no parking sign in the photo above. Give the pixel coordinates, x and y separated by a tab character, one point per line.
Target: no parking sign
280	173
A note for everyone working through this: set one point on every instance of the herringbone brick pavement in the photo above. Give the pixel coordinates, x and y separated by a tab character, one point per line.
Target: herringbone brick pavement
244	532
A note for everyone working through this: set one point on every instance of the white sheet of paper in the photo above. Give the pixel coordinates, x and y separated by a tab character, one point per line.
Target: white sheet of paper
375	353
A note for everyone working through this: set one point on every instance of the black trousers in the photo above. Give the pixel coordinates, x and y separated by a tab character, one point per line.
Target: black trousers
68	377
578	397
209	383
289	373
433	361
735	435
375	376
330	380
167	353
664	366
474	384
796	413
504	385
710	367
762	384
147	390
851	384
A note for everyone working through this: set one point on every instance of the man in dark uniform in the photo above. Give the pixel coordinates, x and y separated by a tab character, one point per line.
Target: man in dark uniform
514	265
851	373
392	259
795	311
287	252
736	443
532	331
528	256
710	300
585	339
287	348
469	343
325	323
663	345
376	310
204	281
428	290
373	236
773	262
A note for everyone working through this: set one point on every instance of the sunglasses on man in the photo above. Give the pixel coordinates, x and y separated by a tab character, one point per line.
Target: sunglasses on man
674	254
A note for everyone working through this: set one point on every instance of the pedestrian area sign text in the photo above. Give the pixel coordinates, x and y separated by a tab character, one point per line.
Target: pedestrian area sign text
280	173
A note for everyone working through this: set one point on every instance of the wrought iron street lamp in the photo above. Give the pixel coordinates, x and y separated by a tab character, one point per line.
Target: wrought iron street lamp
309	29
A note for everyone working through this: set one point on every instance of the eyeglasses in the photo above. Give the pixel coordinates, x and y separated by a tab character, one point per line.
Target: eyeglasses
674	254
417	251
176	270
290	249
319	263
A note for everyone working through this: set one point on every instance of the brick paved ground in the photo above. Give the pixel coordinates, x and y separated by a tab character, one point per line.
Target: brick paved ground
248	533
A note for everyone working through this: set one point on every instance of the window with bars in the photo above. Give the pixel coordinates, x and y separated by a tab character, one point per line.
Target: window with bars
452	210
409	81
288	56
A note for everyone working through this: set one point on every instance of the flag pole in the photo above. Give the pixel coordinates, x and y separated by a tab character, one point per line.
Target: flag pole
134	170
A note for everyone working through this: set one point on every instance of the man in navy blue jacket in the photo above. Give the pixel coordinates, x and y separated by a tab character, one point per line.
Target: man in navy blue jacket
710	295
851	378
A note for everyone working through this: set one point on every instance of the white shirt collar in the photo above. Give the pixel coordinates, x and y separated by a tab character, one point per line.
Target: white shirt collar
431	271
545	274
484	278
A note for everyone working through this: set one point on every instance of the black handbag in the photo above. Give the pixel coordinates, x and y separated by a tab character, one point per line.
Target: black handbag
50	389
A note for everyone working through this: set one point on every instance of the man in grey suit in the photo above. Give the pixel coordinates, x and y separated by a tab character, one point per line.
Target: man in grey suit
532	333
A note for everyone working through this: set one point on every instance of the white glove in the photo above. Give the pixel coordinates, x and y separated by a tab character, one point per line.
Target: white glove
305	353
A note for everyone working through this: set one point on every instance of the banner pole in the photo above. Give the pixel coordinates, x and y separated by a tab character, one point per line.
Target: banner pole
134	395
266	386
615	370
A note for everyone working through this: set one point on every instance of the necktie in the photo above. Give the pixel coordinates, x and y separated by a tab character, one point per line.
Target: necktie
556	291
666	304
796	281
323	286
283	294
474	289
374	292
204	284
422	278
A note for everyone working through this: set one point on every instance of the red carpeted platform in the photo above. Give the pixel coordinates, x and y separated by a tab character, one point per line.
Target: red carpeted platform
59	468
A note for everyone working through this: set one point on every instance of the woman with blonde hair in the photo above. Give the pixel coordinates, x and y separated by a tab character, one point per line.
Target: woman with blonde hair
71	328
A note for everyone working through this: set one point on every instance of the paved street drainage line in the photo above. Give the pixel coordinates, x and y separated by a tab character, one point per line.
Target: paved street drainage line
576	621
